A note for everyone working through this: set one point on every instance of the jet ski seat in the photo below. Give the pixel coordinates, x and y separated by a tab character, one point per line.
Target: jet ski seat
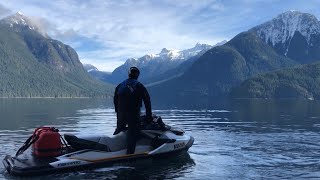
102	143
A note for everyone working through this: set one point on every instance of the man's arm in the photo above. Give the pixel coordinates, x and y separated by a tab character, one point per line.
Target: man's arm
147	102
115	99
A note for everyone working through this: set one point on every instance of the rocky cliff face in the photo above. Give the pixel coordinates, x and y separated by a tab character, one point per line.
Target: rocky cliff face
293	34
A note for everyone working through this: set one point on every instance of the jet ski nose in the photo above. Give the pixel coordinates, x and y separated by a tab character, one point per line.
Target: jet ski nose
190	142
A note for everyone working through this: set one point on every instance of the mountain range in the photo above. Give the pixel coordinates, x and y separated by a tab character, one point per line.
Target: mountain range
156	67
34	65
290	39
277	59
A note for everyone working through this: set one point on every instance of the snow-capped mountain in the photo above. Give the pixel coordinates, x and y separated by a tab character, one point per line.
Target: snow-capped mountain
90	67
170	56
283	27
293	34
95	73
19	20
152	65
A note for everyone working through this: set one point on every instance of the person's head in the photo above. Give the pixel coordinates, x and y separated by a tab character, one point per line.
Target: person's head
133	73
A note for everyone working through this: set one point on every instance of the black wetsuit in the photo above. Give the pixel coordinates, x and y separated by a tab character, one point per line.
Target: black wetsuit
128	98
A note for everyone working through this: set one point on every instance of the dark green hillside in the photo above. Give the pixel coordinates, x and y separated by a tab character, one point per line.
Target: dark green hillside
34	66
259	56
220	69
300	82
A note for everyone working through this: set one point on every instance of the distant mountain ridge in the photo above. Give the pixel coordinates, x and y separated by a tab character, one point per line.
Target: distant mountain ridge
95	73
34	65
90	67
153	65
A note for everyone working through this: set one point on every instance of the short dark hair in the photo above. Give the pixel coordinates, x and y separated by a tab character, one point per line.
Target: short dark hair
133	72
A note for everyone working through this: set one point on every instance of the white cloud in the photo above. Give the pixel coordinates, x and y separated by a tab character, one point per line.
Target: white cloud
134	27
110	31
4	11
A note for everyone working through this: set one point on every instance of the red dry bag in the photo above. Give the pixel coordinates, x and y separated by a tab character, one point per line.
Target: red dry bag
46	142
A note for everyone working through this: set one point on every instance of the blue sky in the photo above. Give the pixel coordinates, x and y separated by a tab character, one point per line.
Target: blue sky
107	32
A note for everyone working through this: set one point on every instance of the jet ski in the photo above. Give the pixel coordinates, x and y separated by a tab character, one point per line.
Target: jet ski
51	152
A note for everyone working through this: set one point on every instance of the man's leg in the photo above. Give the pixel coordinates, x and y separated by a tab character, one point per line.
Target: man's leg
133	133
121	122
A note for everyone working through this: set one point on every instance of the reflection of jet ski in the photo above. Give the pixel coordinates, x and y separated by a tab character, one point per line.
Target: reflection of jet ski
52	152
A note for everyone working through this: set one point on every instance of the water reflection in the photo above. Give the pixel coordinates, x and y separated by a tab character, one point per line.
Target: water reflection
158	168
25	113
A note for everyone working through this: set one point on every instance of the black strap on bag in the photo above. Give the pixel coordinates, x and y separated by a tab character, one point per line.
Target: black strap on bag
27	144
64	142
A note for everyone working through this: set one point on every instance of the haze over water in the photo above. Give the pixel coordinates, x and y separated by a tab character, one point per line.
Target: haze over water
249	139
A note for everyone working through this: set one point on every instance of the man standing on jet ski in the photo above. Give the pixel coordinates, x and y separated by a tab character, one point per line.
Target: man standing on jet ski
128	98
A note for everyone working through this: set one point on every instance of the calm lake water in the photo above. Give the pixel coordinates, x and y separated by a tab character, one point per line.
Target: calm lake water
249	139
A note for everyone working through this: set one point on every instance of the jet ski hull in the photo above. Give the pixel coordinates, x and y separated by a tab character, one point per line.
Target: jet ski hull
27	164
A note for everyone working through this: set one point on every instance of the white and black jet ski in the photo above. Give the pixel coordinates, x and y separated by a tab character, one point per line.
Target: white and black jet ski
51	152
